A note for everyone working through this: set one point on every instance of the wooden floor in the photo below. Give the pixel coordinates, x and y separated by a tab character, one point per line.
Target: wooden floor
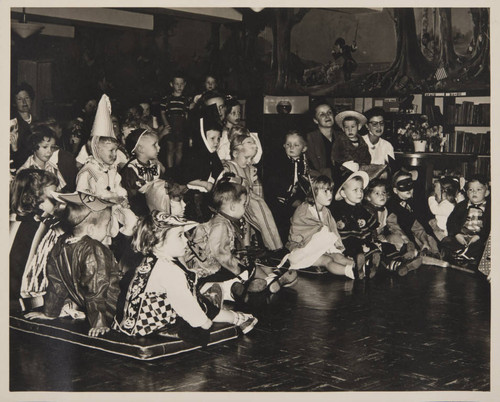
427	331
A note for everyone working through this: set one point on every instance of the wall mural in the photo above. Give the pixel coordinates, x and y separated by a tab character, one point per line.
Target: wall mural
278	51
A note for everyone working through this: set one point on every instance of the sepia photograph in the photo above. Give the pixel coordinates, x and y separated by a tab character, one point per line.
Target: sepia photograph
252	200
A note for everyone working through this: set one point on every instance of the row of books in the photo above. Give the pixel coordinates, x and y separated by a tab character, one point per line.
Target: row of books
465	142
483	167
468	113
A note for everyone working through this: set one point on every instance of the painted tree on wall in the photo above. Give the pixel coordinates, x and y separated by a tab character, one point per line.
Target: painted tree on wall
449	60
410	65
284	19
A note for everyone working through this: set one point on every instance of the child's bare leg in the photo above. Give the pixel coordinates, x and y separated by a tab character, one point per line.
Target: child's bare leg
246	322
178	153
170	154
225	316
263	272
335	263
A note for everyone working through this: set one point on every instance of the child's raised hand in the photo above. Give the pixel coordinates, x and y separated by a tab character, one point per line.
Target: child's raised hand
461	239
255	177
38	315
339	245
96	331
473	239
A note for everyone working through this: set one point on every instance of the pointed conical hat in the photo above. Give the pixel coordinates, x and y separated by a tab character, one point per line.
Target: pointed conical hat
103	126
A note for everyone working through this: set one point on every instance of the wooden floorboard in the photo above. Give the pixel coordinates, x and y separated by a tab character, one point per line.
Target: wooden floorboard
427	331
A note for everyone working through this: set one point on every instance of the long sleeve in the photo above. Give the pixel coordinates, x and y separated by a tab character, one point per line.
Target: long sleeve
172	280
56	292
219	242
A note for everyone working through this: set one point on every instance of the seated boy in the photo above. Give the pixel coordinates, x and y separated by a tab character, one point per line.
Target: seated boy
404	224
349	150
401	261
216	243
356	226
142	175
80	268
288	185
469	225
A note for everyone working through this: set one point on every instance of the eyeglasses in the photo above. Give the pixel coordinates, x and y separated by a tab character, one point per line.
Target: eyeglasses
377	123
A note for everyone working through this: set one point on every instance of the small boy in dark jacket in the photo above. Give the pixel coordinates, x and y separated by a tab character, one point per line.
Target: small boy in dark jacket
469	225
287	185
405	225
356	226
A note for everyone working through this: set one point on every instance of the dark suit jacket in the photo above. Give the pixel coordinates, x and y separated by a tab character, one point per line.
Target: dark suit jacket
316	155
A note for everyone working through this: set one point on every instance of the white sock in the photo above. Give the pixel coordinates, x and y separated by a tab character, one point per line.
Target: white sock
349	272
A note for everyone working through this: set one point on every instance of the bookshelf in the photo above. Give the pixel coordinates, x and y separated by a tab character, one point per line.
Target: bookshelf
465	117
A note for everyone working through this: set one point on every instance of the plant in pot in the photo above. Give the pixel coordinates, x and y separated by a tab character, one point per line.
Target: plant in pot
423	135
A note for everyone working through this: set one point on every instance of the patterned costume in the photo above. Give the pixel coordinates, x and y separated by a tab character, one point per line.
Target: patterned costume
257	212
161	291
469	219
357	228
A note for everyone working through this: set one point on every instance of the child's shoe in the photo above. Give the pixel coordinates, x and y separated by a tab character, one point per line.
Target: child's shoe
375	262
246	322
257	285
285	280
409	266
360	265
239	292
288	279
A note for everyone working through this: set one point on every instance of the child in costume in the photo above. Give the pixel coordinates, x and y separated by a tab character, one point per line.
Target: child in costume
356	226
469	225
163	290
142	175
401	260
217	246
349	150
31	216
287	186
99	176
405	226
81	268
314	239
202	166
257	214
441	203
43	144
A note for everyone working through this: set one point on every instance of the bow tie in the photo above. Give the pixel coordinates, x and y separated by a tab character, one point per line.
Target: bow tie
479	206
144	170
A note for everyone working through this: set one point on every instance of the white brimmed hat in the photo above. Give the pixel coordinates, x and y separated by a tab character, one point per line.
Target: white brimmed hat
360	173
339	118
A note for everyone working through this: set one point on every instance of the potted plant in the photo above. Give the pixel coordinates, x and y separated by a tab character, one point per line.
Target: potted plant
423	135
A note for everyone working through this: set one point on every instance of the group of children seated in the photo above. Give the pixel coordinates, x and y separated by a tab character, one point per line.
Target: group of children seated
140	251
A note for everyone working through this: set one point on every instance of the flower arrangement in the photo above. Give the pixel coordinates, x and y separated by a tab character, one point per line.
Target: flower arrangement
420	129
